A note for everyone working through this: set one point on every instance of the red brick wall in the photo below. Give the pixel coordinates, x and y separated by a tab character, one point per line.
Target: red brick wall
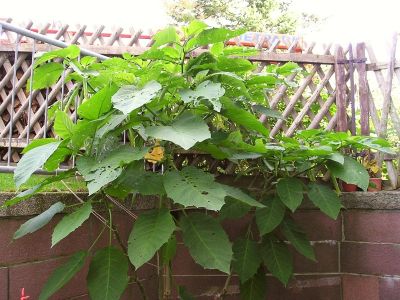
358	258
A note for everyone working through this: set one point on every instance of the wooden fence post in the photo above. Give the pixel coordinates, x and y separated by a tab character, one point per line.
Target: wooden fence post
340	90
362	88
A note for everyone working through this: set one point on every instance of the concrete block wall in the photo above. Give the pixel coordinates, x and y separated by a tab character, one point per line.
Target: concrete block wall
358	255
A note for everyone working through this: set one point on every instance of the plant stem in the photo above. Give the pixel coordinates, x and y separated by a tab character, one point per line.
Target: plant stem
336	185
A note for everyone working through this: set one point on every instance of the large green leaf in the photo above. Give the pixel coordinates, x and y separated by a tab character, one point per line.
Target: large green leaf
270	217
255	287
290	191
108	274
325	199
54	161
185	131
36	143
129	97
33	160
242	116
235	141
168	250
150	231
71	222
72	51
98	104
207	90
63	274
207	242
39	221
227	64
238	194
268	112
233	209
215	35
298	238
277	258
350	171
246	258
46	75
63	125
166	36
193	187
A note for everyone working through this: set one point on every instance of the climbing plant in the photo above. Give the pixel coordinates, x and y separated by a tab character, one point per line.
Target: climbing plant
139	115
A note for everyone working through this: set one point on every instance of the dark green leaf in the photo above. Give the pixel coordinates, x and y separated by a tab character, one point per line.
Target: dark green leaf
277	258
350	171
206	90
268	112
63	274
150	231
270	217
207	242
255	287
246	258
290	191
39	221
325	199
183	294
71	222
168	250
233	209
203	191
108	274
298	238
98	104
238	194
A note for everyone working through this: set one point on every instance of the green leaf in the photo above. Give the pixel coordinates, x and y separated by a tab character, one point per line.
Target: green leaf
39	142
63	274
242	117
255	287
227	64
113	122
325	199
246	258
183	294
288	68
233	209
56	158
185	131
46	75
194	27
150	231
277	258
268	112
203	191
238	194
269	80
270	217
71	222
240	51
71	52
290	191
337	157
63	125
207	90
108	274
168	250
207	242
166	36
216	35
298	238
235	141
33	160
98	104
350	171
39	221
129	97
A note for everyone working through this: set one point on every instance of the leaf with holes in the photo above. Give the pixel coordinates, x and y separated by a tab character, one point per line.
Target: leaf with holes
207	242
270	217
277	258
290	191
246	258
150	231
193	187
33	160
185	131
207	90
298	238
255	287
98	104
325	199
46	75
71	222
63	274
129	97
108	274
39	221
350	171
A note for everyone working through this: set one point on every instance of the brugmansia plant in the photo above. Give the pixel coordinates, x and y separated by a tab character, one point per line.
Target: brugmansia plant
175	100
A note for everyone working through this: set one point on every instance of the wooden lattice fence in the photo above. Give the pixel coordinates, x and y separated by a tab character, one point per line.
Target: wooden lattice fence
325	95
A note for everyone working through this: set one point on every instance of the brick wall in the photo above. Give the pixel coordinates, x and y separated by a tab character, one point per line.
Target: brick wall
358	255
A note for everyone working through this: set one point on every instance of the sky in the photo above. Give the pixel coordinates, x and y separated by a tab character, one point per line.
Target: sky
346	20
